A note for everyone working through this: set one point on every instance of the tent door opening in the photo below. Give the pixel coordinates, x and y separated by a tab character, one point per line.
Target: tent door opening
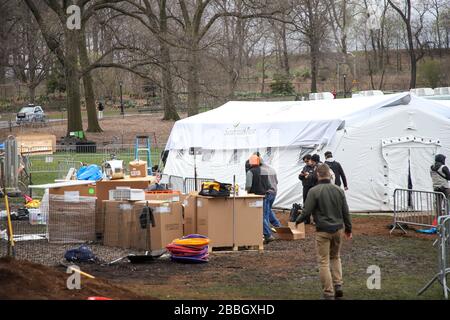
408	167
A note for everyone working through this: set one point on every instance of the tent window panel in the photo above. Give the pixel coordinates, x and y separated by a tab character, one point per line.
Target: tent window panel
180	154
234	157
207	155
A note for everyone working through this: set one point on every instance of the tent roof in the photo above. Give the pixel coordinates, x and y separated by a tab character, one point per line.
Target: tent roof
249	125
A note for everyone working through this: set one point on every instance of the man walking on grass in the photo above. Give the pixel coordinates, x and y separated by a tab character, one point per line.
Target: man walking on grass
327	203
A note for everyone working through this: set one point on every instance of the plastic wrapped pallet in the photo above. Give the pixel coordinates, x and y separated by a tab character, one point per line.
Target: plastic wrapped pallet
71	218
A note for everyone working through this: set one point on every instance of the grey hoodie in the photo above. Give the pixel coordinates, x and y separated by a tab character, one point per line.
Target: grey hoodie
440	175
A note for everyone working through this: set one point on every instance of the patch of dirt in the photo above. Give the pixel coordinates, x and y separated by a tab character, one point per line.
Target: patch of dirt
25	280
125	129
369	226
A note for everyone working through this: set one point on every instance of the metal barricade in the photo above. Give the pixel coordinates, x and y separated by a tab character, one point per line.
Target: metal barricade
443	230
189	184
418	208
176	183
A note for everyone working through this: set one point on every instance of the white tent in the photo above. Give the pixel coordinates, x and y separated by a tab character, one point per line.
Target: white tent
377	140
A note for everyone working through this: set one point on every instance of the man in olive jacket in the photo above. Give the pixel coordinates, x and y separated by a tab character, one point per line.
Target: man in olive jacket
327	203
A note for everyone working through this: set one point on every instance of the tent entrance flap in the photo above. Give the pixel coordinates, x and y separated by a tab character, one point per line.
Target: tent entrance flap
408	167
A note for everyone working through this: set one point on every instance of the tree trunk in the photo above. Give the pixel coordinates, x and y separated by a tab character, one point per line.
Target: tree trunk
263	66
170	111
193	85
32	92
285	50
314	68
412	56
93	125
74	120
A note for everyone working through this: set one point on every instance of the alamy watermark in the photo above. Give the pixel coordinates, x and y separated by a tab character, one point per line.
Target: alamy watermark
374	280
73	21
74	280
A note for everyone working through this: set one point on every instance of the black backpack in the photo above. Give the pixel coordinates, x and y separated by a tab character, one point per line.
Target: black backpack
295	212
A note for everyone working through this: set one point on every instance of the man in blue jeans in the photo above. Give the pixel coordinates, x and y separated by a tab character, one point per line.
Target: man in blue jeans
257	182
271	194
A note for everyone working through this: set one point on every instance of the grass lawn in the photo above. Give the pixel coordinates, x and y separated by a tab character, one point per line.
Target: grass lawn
288	270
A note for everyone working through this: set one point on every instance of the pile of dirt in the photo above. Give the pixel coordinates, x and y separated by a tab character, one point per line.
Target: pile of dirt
24	280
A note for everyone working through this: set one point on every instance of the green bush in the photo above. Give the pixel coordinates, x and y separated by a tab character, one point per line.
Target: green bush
281	84
430	73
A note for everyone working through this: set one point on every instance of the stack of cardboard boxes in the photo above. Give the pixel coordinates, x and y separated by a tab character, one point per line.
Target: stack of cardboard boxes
124	228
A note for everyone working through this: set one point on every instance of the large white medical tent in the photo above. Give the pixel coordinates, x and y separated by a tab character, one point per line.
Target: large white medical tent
383	143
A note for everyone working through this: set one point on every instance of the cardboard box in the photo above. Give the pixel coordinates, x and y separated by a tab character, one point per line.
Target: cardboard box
85	190
215	220
123	228
249	221
102	191
291	232
138	168
189	204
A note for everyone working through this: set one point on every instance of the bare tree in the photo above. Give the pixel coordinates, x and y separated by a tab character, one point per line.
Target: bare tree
415	47
309	18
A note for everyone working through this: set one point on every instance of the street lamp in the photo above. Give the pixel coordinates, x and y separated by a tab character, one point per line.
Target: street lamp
121	99
345	87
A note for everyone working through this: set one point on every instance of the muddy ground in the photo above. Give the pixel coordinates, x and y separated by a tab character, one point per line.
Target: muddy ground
25	280
284	270
288	269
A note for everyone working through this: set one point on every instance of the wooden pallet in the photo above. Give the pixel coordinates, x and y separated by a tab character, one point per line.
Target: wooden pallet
235	248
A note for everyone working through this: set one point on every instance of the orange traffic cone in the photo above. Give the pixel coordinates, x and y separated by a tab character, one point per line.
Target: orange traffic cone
435	222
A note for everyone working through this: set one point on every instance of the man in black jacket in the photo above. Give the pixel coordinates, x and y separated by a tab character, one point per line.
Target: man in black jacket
327	203
257	182
308	178
337	169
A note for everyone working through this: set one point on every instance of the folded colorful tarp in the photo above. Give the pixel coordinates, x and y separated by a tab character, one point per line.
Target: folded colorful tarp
189	249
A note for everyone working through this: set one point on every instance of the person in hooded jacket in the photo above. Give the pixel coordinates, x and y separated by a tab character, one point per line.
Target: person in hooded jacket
440	175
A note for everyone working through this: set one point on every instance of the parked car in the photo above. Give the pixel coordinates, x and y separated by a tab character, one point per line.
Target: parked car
30	114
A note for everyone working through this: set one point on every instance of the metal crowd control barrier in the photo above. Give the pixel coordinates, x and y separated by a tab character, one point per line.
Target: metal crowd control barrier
418	208
443	229
189	184
176	183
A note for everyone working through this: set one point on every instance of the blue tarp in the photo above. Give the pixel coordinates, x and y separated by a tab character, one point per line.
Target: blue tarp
92	172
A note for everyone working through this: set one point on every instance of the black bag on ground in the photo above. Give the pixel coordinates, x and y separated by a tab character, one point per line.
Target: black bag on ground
295	212
215	189
81	254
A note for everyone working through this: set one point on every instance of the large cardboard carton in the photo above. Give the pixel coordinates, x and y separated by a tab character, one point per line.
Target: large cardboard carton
102	191
215	220
291	232
189	203
226	227
171	197
138	168
123	227
248	224
85	190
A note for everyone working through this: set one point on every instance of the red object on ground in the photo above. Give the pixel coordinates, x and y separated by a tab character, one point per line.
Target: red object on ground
98	298
435	222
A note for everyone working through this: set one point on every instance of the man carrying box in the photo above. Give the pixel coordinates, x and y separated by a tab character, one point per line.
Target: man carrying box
328	205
